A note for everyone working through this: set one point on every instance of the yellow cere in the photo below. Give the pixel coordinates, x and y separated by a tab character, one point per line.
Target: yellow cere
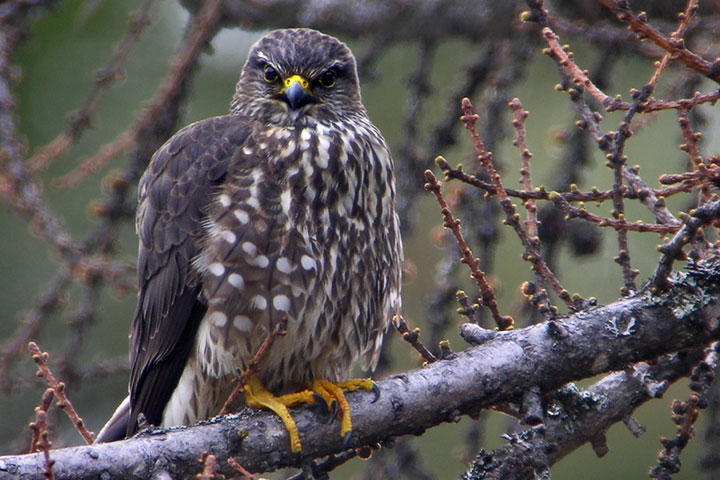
296	78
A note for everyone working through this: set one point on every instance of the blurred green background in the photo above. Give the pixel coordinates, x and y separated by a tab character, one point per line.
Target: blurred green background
67	45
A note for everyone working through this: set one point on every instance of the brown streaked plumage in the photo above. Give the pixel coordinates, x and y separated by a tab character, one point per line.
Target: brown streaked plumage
284	207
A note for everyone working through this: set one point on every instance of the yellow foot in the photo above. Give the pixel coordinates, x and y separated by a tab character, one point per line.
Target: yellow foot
334	397
257	396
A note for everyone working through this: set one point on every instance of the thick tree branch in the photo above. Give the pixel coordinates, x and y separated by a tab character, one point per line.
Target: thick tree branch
436	19
579	417
546	356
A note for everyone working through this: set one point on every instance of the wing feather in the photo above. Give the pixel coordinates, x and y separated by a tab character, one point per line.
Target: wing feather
174	193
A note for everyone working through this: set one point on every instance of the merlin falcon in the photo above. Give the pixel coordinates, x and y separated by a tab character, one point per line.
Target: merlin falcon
282	210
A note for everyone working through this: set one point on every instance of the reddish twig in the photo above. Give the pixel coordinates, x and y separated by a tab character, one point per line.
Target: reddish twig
253	366
44	444
652	198
40	441
93	163
40	424
530	244
210	467
519	116
58	388
236	466
81	119
466	308
580	78
691	147
538	298
685	17
676	47
204	24
649	197
685	414
616	161
615	154
539	193
31	324
566	61
413	338
673	250
486	291
564	58
619	224
690	180
681	104
709	171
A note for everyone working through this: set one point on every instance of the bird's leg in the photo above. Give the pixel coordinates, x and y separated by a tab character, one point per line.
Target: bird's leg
257	396
333	392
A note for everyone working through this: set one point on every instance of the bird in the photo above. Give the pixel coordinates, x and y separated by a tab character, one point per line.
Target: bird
282	210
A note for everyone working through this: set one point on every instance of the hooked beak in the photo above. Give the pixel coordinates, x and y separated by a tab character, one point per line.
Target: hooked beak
296	92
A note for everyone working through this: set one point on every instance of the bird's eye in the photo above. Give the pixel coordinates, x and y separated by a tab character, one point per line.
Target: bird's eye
328	79
270	74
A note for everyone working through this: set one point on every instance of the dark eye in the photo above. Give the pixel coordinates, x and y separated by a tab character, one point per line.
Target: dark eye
270	74
328	79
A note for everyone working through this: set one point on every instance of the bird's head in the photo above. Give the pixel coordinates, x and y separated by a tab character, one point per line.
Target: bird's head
295	74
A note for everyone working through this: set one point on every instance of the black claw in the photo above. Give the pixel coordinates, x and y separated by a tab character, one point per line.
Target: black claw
335	409
376	391
319	400
346	440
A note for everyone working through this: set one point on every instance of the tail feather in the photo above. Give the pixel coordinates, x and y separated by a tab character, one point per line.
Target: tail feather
116	427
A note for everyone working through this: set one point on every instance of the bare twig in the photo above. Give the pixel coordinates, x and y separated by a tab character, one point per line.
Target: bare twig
580	77
63	402
565	59
689	181
253	366
466	308
81	119
320	469
676	47
488	296
44	445
413	338
210	467
39	425
531	244
204	24
31	324
236	466
519	116
677	35
691	147
93	163
685	414
648	196
673	250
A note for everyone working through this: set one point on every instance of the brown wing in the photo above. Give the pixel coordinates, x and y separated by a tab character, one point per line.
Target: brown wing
181	180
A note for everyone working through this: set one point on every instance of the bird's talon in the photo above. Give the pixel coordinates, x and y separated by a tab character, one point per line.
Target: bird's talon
376	391
319	400
346	440
335	407
256	396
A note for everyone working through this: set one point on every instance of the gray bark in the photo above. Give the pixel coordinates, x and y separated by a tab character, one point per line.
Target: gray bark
498	372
